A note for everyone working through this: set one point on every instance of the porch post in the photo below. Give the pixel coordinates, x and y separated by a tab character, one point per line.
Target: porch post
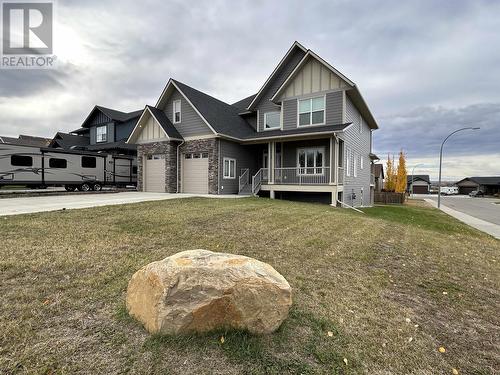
272	160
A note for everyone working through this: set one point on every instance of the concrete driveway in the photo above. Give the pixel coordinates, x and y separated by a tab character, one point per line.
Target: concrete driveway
16	206
480	213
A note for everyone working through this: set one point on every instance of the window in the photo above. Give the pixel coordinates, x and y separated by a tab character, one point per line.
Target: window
101	133
177	111
58	163
188	156
348	162
155	157
229	168
361	166
204	155
88	162
312	111
310	160
341	153
21	161
355	166
272	120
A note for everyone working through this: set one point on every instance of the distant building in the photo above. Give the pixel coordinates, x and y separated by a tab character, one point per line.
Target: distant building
26	140
378	174
421	184
488	185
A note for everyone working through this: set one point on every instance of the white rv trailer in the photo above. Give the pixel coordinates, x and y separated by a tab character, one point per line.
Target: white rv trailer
40	167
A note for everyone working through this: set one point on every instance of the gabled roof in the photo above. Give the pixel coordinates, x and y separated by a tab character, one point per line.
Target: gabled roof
113	114
80	131
67	141
244	103
418	177
160	117
488	180
294	46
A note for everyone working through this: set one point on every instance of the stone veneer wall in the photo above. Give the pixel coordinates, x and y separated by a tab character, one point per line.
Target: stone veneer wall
169	150
210	145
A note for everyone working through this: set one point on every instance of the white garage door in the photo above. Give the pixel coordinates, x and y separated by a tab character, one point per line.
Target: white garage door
154	174
195	173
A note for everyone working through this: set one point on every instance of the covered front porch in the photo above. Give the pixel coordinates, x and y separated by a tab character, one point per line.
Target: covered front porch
304	165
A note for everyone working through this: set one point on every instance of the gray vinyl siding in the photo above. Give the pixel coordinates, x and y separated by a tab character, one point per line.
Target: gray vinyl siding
246	157
191	125
333	110
264	104
360	144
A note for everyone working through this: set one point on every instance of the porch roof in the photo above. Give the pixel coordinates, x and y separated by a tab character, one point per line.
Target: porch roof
296	133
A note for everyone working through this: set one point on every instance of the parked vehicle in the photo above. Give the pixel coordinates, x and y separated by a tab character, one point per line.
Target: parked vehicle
82	170
476	194
449	190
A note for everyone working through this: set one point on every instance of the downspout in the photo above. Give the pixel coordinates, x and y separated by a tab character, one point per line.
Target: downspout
177	169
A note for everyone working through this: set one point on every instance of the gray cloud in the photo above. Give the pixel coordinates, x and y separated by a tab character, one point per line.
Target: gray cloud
424	67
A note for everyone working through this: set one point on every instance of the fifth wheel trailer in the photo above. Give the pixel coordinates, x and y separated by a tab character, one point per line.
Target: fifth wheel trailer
40	167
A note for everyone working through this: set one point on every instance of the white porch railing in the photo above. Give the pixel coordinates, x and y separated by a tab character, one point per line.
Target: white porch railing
260	177
243	180
302	176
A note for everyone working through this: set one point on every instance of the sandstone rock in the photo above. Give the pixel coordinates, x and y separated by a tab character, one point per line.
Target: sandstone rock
200	291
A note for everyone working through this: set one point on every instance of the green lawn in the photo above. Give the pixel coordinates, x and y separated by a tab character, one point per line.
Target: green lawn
392	285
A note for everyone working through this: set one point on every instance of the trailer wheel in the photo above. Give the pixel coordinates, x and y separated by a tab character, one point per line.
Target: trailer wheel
69	187
84	187
97	187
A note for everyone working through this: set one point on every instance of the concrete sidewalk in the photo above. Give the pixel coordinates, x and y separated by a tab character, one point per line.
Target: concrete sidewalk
25	205
482	225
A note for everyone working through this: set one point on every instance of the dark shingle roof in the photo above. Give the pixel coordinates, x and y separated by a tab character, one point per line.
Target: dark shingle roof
113	114
165	122
120	145
67	141
416	177
297	131
221	116
27	140
80	131
243	104
490	180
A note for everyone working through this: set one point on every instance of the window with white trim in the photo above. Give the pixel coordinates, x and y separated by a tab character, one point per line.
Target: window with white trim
177	111
229	168
355	165
101	133
272	120
361	166
312	111
347	162
311	160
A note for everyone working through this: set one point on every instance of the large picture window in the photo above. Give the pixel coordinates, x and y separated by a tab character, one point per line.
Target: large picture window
272	120
101	133
312	111
229	168
177	111
311	160
21	161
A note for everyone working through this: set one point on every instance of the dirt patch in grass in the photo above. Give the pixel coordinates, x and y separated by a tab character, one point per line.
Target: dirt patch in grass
391	286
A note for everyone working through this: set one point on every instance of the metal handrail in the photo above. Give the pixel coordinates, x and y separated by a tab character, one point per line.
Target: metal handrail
243	180
257	179
302	176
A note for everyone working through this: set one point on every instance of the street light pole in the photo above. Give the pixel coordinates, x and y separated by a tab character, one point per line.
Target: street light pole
412	176
441	159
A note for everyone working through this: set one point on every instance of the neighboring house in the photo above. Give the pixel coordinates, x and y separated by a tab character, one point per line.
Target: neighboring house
488	185
104	129
307	131
26	140
378	176
421	184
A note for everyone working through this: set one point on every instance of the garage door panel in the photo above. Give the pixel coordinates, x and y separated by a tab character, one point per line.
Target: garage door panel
154	175
194	174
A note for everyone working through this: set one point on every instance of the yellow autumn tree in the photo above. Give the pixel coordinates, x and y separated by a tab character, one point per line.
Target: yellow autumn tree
401	174
389	175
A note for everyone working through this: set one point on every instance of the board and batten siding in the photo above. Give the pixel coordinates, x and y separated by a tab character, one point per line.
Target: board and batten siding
357	144
264	104
313	77
191	125
333	110
245	156
151	132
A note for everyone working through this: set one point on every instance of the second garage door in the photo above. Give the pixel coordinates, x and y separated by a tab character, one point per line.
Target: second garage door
195	173
154	173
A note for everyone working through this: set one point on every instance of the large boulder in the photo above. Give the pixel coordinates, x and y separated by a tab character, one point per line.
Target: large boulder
200	291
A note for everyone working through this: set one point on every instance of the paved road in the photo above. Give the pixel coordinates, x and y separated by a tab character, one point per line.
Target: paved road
481	208
15	206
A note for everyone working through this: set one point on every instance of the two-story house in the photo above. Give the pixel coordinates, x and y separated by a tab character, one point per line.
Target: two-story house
306	133
104	129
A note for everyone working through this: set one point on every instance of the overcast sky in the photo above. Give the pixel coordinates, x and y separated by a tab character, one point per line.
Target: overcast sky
425	68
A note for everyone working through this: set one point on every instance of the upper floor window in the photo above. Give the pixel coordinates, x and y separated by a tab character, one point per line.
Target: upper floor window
272	120
101	133
312	111
177	111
